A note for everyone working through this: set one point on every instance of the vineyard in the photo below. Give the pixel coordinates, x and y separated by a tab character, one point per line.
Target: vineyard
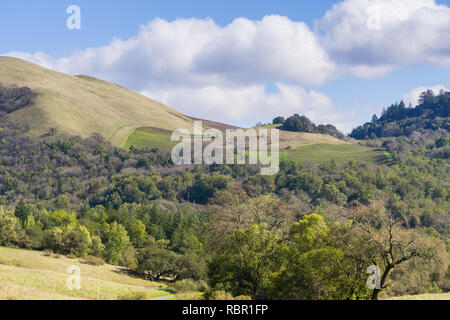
319	152
325	152
143	139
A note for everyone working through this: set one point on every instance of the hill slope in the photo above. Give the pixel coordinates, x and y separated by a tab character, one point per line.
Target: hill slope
30	275
82	105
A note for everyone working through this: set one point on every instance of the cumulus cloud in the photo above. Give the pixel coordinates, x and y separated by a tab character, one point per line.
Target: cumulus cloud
369	38
413	96
199	52
220	72
214	72
251	103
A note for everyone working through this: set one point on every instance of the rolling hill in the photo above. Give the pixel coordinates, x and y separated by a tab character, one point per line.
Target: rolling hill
35	275
82	105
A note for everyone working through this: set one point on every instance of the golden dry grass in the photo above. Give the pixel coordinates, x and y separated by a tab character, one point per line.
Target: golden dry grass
82	105
291	140
427	296
32	275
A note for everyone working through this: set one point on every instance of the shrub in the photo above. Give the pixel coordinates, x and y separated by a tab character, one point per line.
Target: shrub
133	296
189	285
191	296
76	241
93	261
11	231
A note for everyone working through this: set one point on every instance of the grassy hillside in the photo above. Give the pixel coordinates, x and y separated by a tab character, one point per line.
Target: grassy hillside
31	275
82	105
428	296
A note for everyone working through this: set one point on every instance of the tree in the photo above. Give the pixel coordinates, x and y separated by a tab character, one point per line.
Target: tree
205	186
278	120
318	263
389	244
232	209
22	212
137	233
53	239
11	231
191	266
116	240
155	263
97	247
299	123
245	261
76	240
34	232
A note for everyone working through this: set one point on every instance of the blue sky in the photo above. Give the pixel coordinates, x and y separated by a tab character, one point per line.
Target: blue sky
344	91
40	25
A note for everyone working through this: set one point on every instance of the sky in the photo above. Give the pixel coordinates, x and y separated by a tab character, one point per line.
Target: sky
243	62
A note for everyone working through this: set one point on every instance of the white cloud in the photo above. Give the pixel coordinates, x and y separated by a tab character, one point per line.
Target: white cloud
199	52
251	103
214	72
220	72
413	96
369	38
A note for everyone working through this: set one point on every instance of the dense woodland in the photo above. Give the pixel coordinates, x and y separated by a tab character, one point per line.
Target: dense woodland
432	113
308	232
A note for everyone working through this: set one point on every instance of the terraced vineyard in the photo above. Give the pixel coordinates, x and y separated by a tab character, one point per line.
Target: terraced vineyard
325	152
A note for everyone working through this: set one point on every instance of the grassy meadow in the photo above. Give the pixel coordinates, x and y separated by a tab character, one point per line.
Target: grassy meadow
428	296
35	275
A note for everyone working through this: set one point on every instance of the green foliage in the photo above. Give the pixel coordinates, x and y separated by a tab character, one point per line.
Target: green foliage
76	241
22	212
317	264
326	152
11	232
141	139
309	233
244	262
431	114
189	285
205	187
116	241
299	123
157	263
84	198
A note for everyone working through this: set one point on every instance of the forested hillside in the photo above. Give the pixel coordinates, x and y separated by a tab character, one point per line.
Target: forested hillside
432	114
308	232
